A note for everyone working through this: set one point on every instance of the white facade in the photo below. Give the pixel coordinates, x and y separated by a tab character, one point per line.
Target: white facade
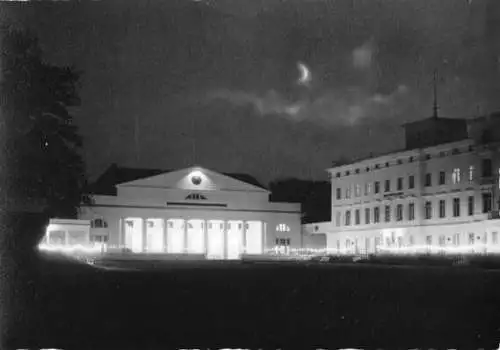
443	197
194	211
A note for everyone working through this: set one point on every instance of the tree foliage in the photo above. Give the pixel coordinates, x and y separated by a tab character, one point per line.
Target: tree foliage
42	159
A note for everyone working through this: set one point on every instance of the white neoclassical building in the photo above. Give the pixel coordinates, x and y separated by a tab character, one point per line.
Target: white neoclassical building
440	193
189	211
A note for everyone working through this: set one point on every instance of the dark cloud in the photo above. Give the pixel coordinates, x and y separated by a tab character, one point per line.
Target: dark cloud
231	68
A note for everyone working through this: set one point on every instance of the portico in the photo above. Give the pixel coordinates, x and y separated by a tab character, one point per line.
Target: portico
215	238
191	211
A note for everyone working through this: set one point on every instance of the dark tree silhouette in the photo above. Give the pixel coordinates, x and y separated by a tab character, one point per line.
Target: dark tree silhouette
42	160
315	197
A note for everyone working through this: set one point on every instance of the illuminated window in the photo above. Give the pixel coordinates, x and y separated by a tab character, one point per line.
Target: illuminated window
410	241
283	228
283	245
456	239
98	223
347	243
195	196
442	240
368	188
428	240
471	238
455	176
357	190
494	237
456	207
471	174
99	239
76	237
348	192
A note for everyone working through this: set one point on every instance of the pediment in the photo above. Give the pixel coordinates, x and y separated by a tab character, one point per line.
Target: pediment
194	179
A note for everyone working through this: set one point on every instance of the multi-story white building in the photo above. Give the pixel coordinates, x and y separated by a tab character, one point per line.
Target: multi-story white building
440	193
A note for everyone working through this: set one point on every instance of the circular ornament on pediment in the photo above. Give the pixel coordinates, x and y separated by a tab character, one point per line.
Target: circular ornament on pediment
196	180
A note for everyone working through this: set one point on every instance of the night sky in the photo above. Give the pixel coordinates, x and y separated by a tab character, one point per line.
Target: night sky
227	70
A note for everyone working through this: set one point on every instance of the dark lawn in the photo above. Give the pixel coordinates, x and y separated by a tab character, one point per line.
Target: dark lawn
263	305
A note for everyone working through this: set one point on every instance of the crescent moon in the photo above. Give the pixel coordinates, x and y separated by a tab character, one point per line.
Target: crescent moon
305	74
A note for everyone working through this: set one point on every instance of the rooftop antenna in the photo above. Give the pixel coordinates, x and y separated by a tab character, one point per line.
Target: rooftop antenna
435	106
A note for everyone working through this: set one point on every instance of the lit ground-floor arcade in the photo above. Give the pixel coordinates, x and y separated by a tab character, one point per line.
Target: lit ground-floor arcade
473	237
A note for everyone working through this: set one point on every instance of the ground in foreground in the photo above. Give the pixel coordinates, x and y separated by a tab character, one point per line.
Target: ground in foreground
74	306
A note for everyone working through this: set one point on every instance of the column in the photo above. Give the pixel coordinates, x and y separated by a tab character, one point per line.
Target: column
185	236
205	236
264	236
225	240
145	235
121	234
165	234
245	229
